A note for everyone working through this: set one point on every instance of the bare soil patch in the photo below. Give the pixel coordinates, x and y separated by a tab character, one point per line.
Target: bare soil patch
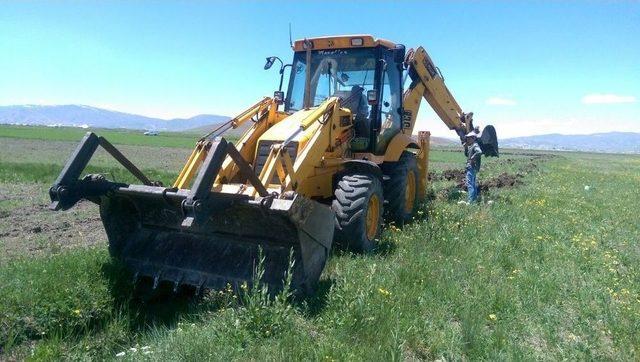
165	159
504	179
28	228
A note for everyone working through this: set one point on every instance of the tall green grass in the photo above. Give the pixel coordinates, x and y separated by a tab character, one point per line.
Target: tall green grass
57	296
549	270
18	172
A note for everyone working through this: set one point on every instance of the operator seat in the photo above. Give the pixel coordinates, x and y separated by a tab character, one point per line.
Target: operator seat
356	102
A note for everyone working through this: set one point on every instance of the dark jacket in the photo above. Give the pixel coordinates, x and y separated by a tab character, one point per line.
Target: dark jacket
473	154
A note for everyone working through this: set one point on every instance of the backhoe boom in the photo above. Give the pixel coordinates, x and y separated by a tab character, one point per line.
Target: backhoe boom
427	82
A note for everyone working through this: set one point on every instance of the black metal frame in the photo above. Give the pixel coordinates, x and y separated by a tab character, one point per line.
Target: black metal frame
194	206
67	190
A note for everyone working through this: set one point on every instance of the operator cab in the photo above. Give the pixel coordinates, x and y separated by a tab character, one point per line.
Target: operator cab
365	73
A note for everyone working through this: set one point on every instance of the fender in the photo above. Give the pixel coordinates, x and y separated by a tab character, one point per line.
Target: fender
398	144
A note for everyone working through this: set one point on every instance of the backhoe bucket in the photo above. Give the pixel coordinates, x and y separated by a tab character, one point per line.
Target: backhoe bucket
144	226
489	142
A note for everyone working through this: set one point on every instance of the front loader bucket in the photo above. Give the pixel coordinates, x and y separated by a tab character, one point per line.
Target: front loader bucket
144	227
198	237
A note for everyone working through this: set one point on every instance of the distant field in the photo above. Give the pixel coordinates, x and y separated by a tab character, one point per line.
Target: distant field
546	268
121	137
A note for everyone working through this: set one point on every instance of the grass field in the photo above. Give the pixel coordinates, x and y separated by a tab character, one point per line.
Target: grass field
547	270
120	137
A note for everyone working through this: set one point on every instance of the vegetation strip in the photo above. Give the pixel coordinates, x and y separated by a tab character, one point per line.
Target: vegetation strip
121	137
548	270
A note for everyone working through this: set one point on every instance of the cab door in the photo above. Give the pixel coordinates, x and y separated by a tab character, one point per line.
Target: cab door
390	104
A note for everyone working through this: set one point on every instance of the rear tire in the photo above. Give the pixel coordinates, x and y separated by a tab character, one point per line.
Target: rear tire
401	190
358	207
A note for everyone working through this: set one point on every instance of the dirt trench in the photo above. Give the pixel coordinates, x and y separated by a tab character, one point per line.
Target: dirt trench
502	180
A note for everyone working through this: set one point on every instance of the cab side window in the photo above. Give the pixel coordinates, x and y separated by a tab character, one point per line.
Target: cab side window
391	103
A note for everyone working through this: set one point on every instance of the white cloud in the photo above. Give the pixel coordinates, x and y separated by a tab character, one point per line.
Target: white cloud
598	98
499	101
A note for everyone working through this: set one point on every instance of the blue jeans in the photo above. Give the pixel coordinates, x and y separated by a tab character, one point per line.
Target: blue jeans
472	186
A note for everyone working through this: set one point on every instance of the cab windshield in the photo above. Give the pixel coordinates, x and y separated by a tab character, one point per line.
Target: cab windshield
344	73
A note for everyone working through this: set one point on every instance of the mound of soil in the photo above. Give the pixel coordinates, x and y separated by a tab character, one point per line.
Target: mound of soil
502	180
448	175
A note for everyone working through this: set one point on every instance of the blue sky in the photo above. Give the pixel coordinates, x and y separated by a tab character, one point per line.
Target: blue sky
527	67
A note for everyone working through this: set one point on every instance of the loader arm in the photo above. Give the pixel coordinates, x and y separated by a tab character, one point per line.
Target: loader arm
265	108
427	82
319	124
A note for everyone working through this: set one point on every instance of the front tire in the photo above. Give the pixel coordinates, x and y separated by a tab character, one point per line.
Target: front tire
401	190
358	206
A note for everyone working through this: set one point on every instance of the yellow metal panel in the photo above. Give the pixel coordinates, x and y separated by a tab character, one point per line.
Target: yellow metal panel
185	169
191	167
386	43
319	185
246	145
341	42
436	92
398	144
284	128
429	84
269	169
287	163
424	138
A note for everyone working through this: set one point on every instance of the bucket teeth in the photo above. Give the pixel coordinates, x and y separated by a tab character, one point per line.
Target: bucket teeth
146	234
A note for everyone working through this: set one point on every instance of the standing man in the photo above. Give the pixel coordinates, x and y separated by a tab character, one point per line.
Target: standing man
473	152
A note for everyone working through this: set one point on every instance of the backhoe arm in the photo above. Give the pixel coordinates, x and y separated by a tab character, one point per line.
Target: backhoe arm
427	82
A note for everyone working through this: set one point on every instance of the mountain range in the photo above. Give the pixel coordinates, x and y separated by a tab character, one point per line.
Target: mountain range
85	116
610	142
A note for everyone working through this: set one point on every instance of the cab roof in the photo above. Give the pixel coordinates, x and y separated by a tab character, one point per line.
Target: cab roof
341	42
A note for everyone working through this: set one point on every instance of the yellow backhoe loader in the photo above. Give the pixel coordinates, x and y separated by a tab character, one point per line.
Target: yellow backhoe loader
327	162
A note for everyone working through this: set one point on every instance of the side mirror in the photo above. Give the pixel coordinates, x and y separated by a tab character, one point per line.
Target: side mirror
269	63
372	97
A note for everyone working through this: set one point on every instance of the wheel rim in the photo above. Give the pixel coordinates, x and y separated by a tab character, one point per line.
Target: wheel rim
410	192
373	215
